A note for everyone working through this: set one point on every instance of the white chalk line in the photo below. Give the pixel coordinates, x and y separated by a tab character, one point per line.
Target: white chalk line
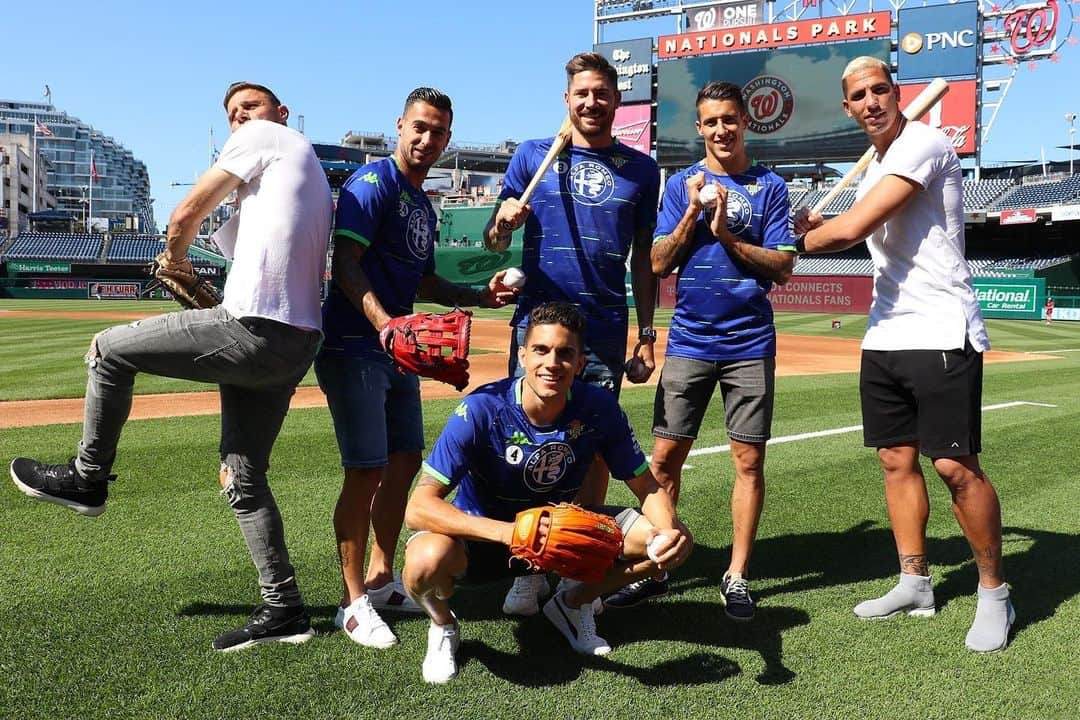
840	431
1051	352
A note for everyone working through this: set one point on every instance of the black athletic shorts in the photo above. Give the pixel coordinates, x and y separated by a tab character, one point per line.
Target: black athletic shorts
932	398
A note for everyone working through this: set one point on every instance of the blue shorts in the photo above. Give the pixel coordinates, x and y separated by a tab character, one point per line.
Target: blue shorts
376	408
604	361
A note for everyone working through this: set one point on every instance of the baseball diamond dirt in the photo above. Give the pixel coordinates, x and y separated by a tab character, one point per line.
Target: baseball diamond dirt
796	355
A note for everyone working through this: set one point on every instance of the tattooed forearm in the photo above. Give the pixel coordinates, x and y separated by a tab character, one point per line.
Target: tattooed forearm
914	565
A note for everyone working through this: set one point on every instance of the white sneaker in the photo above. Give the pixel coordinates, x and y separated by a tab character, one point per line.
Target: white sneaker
442	642
392	596
363	625
524	596
566	585
578	626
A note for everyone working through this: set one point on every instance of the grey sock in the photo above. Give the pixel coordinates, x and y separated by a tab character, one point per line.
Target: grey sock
913	595
994	615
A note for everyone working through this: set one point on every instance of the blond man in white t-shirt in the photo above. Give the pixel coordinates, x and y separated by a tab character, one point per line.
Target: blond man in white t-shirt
256	346
921	376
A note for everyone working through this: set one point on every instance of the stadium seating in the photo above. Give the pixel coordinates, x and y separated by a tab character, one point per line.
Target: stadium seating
1041	195
979	194
70	247
135	248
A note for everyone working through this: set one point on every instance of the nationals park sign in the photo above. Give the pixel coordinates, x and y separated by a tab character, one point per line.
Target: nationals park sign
861	26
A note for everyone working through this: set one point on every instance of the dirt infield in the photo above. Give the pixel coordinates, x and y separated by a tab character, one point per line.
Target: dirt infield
796	355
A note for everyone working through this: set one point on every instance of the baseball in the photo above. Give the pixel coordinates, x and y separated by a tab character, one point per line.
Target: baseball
656	546
707	195
514	278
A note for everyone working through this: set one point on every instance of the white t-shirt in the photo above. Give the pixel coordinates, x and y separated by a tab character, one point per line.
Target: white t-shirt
278	239
923	295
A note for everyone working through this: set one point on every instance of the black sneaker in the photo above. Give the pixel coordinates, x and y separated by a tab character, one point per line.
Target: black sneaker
637	592
738	605
61	484
268	624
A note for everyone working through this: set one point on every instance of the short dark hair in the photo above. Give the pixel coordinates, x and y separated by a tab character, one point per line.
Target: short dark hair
558	313
586	61
435	98
245	85
718	90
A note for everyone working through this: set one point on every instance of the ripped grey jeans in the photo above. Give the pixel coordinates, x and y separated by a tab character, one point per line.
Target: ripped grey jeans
256	363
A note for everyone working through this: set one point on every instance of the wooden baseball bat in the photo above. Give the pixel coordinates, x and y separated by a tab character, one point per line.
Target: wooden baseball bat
929	97
562	139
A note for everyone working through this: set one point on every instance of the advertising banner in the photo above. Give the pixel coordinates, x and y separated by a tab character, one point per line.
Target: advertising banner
938	41
114	290
824	293
1018	216
860	26
793	97
955	115
23	266
633	62
738	13
633	126
1011	297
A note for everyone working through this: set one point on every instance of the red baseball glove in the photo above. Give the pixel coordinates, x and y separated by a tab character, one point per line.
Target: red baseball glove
431	345
581	545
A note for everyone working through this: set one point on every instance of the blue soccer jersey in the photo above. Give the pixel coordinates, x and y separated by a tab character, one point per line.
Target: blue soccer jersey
722	311
585	212
500	463
380	209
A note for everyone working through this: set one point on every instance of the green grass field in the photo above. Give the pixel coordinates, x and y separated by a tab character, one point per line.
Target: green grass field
113	617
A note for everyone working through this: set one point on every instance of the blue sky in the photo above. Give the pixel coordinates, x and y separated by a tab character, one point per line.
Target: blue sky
152	74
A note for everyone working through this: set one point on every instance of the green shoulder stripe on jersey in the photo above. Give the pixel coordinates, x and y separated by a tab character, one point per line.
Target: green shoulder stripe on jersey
427	469
353	236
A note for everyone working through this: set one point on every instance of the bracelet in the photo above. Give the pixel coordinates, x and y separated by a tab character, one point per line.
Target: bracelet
800	244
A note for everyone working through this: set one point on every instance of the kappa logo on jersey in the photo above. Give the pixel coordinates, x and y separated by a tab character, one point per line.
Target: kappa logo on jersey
514	455
590	182
753	189
547	465
462	411
739	211
418	234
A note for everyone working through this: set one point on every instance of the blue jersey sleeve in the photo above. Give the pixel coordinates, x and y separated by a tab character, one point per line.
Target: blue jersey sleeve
451	456
672	206
776	226
620	448
650	198
518	173
360	207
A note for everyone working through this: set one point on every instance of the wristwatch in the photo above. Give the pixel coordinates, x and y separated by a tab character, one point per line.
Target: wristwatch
647	334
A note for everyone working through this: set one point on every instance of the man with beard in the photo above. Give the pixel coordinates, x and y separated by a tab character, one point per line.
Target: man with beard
594	207
384	259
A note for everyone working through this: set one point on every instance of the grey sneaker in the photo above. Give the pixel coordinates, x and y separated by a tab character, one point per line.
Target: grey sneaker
994	617
913	595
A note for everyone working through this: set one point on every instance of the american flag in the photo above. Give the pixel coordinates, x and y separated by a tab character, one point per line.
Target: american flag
93	170
42	129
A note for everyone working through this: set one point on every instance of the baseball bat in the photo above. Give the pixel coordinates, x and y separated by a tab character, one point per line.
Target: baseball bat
929	97
562	139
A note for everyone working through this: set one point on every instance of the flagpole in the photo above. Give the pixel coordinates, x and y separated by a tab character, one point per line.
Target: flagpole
33	144
90	209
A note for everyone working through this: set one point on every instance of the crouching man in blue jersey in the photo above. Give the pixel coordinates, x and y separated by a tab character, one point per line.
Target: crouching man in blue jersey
516	444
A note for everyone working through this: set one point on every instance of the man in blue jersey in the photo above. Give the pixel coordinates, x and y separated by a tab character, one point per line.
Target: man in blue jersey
722	329
593	208
383	260
519	443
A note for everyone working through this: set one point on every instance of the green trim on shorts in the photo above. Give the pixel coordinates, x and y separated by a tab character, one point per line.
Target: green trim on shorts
435	474
644	466
353	236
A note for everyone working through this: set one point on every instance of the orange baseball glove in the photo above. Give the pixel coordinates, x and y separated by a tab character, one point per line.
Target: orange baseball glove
580	544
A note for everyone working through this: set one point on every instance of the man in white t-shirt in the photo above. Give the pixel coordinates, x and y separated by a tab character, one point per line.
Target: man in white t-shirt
921	376
256	346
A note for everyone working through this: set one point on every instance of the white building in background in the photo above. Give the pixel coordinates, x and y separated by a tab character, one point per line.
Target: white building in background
17	182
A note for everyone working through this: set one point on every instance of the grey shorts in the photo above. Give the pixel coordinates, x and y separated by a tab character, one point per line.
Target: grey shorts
686	386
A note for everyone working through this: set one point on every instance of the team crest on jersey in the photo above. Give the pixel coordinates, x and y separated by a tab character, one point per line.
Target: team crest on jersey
619	160
514	455
418	234
547	465
739	211
590	182
574	431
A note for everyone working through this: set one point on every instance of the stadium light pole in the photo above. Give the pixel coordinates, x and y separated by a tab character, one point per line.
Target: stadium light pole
1071	118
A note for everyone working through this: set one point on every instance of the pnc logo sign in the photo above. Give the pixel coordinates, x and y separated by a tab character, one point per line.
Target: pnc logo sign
913	43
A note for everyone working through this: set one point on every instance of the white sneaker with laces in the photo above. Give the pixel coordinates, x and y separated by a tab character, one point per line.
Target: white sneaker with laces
442	642
566	585
392	596
577	625
524	596
363	625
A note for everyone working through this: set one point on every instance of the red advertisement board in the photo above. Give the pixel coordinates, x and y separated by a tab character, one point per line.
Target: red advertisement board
954	115
860	26
824	293
633	126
